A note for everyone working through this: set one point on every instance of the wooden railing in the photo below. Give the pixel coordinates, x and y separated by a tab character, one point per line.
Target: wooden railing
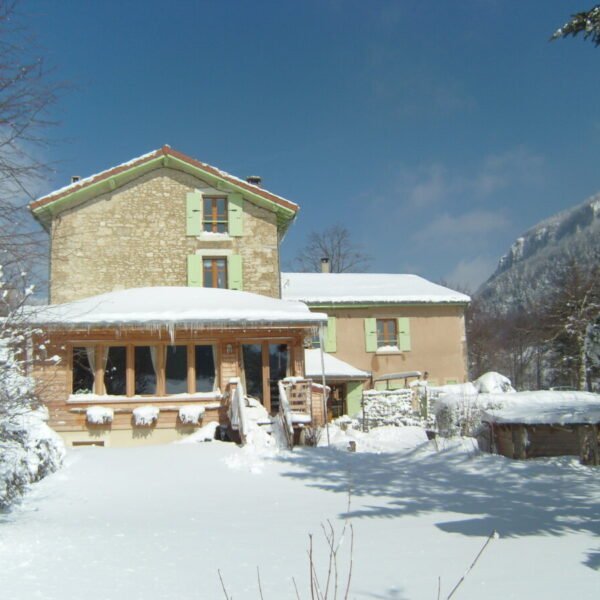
237	409
295	406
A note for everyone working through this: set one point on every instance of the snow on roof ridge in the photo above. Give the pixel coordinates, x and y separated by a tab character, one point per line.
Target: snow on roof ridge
85	180
166	149
366	287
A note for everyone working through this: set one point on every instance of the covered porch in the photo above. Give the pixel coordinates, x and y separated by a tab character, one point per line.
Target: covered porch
175	352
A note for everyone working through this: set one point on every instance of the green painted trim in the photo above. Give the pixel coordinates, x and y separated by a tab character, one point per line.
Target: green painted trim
235	214
404	334
235	280
370	334
354	397
194	207
194	270
331	335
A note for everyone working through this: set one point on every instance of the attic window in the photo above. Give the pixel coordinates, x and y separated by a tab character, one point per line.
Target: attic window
215	215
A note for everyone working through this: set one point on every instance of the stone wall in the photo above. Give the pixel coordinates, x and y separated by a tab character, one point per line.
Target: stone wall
136	236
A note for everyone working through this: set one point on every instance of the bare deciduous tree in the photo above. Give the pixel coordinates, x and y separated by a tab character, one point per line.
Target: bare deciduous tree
336	244
26	94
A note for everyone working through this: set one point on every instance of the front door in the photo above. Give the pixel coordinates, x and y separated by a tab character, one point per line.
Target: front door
264	365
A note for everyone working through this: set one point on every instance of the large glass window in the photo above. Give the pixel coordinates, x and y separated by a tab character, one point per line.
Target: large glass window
176	370
214	272
278	369
115	371
252	357
145	370
215	215
205	368
83	370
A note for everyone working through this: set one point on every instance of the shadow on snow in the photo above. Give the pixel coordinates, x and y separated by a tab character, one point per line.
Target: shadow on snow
517	498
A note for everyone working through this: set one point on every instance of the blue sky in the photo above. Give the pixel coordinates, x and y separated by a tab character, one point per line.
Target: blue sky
435	131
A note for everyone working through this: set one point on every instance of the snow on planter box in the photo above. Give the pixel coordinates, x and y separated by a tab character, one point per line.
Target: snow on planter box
145	416
191	414
99	415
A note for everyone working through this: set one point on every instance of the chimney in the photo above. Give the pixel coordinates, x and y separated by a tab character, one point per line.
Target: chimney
325	268
254	180
75	178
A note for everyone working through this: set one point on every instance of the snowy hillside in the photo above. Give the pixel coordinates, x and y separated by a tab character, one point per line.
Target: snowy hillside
533	257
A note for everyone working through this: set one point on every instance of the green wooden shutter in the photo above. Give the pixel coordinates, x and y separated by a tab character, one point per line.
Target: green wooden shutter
194	213
234	272
330	336
354	397
371	335
235	216
194	270
404	334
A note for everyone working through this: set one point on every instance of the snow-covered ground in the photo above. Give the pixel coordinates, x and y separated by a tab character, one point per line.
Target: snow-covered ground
158	522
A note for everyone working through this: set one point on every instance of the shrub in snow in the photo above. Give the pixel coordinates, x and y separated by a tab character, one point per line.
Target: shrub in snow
99	415
493	383
461	415
29	450
145	416
191	415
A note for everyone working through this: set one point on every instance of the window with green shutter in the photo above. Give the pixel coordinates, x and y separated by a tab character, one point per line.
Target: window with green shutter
194	270
404	334
234	272
194	213
371	335
331	335
235	207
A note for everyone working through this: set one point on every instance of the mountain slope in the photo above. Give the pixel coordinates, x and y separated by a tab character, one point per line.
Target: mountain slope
527	269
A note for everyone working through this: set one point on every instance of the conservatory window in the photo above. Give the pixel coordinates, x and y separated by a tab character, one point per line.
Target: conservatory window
215	215
145	369
83	370
387	332
115	371
176	370
205	368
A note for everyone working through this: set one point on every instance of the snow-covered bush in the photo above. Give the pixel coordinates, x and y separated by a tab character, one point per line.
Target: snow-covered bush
99	415
493	383
145	416
29	450
191	414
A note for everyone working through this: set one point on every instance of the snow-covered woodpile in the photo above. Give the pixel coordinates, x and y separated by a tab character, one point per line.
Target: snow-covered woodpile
392	407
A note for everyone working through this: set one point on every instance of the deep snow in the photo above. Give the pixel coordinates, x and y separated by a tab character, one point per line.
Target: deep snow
157	522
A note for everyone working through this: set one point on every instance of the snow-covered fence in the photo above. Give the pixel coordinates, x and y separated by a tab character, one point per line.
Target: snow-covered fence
392	407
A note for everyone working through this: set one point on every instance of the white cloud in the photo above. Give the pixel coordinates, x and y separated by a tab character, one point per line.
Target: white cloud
467	228
433	184
469	274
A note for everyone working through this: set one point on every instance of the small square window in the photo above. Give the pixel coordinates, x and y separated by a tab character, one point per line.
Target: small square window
214	272
214	218
387	332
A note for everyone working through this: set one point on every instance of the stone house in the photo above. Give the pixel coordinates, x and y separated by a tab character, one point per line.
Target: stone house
166	290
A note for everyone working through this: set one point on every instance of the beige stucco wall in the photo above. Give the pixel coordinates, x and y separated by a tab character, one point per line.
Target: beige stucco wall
136	236
438	340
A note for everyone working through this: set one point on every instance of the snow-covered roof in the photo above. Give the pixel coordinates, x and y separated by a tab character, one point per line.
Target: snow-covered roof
334	367
176	307
544	408
358	288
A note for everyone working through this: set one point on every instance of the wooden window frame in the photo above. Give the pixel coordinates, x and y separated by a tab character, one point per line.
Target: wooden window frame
100	348
214	272
210	217
264	344
390	337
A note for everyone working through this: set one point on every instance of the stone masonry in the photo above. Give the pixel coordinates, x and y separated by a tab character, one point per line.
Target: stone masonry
136	236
